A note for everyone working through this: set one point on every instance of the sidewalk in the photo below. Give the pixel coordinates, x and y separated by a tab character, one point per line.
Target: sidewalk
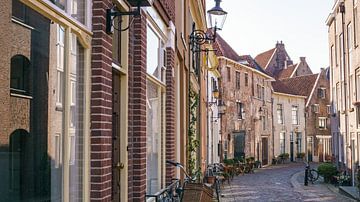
319	191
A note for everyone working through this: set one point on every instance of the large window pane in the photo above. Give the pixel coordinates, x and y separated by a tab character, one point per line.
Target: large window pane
76	132
154	130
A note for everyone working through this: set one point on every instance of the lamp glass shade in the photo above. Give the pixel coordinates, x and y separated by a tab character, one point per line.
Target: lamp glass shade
215	93
217	16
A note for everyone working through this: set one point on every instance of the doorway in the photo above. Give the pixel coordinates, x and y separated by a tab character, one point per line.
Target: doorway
265	151
116	161
291	146
239	145
310	149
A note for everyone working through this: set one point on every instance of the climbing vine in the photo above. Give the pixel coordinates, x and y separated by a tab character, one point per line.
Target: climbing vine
193	143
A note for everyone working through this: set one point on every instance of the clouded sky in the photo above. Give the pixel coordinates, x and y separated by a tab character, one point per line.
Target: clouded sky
254	26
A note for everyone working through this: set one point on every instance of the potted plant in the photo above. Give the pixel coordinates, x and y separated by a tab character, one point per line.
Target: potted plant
300	156
257	164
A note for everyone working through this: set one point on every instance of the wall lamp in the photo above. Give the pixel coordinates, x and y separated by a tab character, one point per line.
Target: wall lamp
217	17
111	14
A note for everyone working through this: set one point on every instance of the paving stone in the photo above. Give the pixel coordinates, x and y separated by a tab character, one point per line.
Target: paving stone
278	183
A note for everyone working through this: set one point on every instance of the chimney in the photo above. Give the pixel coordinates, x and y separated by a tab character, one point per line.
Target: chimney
280	45
302	59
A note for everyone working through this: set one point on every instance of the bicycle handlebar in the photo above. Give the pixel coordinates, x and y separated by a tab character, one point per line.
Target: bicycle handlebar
179	165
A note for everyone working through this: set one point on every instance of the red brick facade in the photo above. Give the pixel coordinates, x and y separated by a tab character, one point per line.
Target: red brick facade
137	110
170	113
101	104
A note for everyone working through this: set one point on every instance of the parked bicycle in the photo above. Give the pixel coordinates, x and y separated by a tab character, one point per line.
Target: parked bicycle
313	174
216	171
176	191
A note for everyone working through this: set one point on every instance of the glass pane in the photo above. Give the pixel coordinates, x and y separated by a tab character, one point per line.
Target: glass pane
78	10
76	133
153	137
152	56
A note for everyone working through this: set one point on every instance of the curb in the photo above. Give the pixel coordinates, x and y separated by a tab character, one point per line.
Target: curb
298	187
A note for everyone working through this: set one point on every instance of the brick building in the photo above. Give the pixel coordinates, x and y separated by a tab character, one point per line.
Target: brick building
45	101
246	125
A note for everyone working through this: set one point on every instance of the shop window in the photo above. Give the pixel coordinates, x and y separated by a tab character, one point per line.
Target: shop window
20	73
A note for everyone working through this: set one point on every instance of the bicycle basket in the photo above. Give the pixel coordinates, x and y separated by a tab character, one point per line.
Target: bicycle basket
197	192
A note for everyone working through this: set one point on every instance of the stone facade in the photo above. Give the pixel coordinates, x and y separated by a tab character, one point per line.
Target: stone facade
244	125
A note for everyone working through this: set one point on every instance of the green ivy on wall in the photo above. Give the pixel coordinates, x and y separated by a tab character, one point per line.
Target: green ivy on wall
193	143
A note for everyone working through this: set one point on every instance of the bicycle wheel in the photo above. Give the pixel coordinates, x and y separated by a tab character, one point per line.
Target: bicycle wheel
314	175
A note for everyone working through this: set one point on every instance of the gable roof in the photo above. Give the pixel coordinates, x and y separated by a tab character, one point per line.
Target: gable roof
285	73
301	85
280	87
224	49
263	58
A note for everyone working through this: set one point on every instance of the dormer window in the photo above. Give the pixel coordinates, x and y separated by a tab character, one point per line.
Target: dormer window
19	76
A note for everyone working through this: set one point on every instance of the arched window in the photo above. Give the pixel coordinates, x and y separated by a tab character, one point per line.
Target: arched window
20	72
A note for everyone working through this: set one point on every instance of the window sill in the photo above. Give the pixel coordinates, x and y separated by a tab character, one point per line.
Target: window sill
16	21
21	96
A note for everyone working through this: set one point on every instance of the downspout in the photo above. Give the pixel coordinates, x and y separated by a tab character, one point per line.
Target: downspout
207	109
342	10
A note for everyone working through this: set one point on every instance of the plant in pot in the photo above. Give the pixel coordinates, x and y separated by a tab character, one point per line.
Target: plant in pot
257	164
300	156
327	170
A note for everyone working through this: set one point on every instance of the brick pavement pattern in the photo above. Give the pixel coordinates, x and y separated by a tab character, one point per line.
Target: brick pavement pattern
277	183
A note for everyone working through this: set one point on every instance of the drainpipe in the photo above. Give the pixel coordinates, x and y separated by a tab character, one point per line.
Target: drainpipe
342	11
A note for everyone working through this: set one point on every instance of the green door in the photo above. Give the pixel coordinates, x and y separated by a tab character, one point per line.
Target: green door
239	145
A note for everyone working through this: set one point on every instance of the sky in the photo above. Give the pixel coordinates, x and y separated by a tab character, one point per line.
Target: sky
254	26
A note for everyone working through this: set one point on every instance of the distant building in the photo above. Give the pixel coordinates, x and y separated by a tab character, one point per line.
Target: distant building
289	121
299	80
246	125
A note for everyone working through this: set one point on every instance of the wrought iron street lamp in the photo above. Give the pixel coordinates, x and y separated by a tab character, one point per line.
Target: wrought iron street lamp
217	17
111	14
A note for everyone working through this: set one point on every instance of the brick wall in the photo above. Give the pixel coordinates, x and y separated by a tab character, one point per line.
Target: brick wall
170	113
137	109
101	104
169	6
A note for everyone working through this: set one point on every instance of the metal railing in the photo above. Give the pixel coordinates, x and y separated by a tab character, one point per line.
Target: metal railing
167	194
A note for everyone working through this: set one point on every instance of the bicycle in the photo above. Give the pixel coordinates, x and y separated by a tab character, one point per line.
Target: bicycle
179	193
216	170
313	174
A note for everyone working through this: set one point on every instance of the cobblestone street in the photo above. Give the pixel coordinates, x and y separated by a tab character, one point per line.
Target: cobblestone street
278	183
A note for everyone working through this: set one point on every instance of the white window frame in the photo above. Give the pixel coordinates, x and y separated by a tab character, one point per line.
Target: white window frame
280	113
293	115
60	62
322	123
316	108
